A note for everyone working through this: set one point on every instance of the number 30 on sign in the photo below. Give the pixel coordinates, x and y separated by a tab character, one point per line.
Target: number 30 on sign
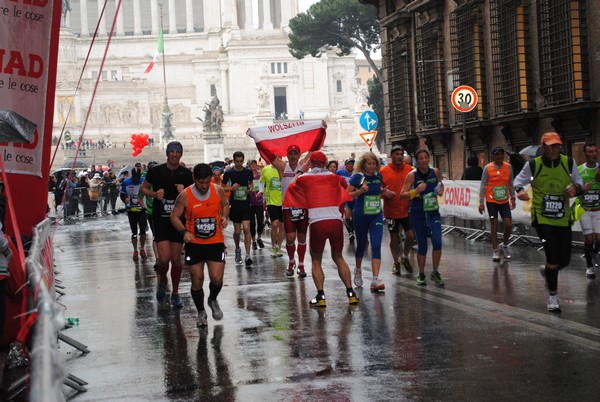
464	98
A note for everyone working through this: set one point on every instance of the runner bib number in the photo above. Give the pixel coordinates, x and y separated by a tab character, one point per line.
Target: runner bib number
430	202
205	228
296	214
372	205
167	207
275	184
591	199
553	206
500	193
240	194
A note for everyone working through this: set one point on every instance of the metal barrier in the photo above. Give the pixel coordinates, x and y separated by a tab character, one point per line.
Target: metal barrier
47	372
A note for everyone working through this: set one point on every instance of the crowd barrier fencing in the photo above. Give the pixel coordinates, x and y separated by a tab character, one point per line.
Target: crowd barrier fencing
46	369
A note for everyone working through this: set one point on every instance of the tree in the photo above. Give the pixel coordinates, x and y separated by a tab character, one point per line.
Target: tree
339	24
375	100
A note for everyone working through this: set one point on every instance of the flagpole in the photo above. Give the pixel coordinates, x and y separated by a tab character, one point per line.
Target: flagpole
163	53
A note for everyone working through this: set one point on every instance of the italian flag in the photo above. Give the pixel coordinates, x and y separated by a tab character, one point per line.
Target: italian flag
160	49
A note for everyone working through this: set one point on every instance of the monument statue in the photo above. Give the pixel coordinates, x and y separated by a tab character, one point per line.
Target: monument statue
213	115
263	101
66	10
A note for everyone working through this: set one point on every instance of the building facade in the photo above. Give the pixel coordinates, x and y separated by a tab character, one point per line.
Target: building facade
235	50
534	64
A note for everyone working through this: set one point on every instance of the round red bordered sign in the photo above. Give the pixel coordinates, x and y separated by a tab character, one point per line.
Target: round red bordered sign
464	98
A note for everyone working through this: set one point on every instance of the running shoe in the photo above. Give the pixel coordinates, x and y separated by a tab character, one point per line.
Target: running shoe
248	262
496	256
238	256
290	269
254	246
136	256
553	303
377	285
437	278
407	266
352	237
217	314
161	291
260	243
318	301
143	255
301	271
421	280
274	252
352	298
589	272
202	319
279	252
176	301
358	281
505	251
396	268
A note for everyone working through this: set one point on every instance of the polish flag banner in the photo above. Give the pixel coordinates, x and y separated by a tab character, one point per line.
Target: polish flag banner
301	192
160	49
274	140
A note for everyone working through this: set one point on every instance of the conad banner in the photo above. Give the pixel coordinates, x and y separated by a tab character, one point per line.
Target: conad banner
461	200
29	33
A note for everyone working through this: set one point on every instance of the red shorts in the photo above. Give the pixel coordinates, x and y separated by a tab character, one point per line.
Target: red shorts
320	231
295	220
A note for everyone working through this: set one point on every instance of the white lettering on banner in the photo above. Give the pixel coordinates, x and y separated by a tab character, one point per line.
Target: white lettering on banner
24	52
461	200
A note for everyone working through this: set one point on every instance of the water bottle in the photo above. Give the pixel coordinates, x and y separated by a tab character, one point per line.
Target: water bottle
73	321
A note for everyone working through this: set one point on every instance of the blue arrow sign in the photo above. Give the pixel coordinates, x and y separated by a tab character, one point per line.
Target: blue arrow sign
368	120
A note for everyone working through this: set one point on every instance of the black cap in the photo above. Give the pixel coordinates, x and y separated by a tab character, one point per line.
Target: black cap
348	161
174	145
497	150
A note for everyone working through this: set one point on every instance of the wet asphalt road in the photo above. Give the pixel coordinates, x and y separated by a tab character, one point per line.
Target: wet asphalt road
486	335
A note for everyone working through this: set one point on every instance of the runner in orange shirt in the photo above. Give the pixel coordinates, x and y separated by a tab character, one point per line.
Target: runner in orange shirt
395	210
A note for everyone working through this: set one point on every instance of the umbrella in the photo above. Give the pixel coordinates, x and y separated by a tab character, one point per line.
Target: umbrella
220	164
127	169
105	168
531	151
15	128
78	164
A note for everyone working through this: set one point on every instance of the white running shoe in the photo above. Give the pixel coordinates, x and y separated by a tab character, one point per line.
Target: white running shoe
553	303
505	251
358	281
589	272
496	256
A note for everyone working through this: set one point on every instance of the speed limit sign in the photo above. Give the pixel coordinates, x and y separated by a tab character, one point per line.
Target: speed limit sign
464	98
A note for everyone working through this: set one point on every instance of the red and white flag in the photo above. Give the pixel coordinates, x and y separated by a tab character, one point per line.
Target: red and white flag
160	49
274	140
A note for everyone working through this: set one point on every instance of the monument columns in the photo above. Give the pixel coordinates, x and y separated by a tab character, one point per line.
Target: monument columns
172	17
85	30
267	23
248	15
102	23
189	16
137	18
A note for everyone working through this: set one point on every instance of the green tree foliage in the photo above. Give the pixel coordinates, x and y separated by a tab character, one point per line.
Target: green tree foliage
375	100
336	24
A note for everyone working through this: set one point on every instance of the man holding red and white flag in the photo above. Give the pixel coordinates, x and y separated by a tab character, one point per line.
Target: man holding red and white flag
276	139
160	49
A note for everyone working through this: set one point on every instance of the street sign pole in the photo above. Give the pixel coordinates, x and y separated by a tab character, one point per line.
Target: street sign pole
464	99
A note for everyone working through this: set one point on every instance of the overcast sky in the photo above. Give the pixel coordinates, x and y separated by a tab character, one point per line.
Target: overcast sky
304	4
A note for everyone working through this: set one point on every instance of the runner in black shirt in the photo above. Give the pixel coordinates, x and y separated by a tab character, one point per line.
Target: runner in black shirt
164	182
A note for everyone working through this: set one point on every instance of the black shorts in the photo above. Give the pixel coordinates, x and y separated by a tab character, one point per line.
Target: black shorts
494	209
165	231
394	224
198	253
557	243
275	213
239	213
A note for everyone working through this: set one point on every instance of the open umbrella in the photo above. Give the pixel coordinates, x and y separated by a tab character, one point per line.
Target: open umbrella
531	151
127	169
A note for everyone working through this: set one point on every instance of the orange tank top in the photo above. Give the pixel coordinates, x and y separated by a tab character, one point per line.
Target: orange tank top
497	188
203	218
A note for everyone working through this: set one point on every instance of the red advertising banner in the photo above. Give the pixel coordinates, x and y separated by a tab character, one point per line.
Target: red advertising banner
29	34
